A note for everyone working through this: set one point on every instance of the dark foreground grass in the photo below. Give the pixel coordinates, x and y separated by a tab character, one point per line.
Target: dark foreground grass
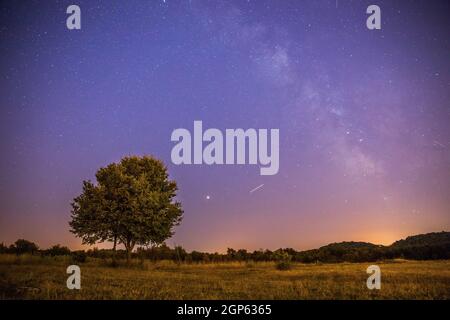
45	278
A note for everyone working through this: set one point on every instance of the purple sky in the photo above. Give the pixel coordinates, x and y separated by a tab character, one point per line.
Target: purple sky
364	116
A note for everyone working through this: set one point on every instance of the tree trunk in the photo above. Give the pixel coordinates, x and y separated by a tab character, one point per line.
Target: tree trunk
129	247
128	255
114	249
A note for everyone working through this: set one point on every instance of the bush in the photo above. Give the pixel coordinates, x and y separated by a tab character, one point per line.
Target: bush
283	265
283	260
79	256
57	250
23	246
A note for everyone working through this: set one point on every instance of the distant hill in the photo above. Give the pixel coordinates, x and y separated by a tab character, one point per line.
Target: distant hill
428	239
342	251
430	246
349	245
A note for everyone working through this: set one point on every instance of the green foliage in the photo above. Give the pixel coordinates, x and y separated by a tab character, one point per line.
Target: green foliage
3	248
132	203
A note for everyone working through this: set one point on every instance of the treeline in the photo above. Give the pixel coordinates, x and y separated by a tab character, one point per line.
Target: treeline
23	246
422	247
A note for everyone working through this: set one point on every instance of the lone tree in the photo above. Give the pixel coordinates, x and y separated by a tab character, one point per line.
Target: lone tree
131	204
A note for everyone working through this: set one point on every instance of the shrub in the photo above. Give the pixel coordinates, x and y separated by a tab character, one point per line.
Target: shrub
57	250
283	260
79	256
23	246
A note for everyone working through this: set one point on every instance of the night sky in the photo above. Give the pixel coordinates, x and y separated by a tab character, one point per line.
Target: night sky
364	115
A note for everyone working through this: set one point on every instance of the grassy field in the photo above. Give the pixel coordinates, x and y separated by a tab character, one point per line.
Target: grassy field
27	277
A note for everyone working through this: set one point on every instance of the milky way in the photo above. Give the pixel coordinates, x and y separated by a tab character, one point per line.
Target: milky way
364	115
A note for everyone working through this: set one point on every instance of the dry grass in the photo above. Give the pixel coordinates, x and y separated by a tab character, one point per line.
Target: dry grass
45	278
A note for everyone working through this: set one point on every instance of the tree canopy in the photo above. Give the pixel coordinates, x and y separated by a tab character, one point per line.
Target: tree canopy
132	203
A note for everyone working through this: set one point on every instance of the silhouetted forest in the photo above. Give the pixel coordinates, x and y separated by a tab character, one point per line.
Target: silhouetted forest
430	246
